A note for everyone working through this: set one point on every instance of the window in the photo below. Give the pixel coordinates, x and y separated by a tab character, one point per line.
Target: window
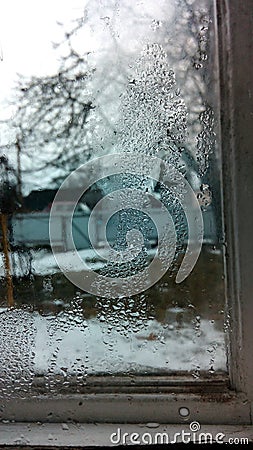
147	97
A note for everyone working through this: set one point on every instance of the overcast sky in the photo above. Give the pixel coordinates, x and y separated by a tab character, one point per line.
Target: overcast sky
28	28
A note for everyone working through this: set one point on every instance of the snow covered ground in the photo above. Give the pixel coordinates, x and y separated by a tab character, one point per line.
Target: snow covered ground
154	348
44	263
68	344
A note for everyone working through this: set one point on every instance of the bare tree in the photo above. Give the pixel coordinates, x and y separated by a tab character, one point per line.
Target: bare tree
51	117
58	115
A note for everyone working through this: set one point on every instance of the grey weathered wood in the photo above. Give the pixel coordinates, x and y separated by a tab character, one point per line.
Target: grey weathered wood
235	26
236	75
205	407
86	435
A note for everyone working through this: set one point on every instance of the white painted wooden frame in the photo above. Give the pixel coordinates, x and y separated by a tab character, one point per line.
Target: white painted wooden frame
217	399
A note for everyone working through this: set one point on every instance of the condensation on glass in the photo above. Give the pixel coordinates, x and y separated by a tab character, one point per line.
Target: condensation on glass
134	78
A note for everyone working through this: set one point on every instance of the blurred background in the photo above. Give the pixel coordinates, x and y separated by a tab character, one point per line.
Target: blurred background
83	79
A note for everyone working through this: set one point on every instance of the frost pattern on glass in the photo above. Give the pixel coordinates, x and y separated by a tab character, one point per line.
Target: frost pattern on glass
17	352
201	54
134	77
154	115
205	139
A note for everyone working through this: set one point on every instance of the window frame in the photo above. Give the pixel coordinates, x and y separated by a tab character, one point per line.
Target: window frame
217	399
236	81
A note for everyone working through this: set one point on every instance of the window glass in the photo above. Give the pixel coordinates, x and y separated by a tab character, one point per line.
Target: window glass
110	114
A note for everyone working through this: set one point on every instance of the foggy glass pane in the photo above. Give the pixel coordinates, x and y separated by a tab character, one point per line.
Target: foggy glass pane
141	284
